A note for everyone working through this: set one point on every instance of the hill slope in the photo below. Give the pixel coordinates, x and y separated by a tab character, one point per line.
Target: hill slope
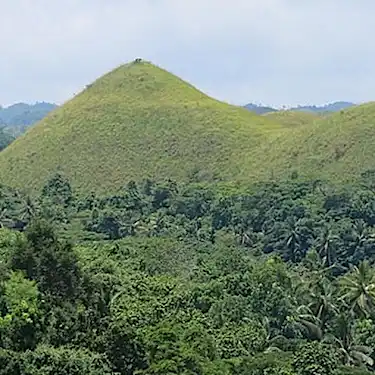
137	121
292	118
339	146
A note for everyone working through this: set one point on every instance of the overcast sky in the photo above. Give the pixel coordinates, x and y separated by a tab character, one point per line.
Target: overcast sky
273	52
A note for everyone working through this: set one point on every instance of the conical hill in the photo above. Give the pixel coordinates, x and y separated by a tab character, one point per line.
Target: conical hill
136	122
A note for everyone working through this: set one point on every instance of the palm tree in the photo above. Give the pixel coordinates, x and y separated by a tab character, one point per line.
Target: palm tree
362	233
343	339
30	209
326	247
293	239
317	266
358	289
322	300
3	220
364	237
275	341
310	322
304	322
315	292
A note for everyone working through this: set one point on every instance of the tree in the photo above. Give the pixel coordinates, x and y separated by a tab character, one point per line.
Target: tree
30	210
343	338
305	322
18	325
53	264
123	349
326	246
358	289
63	361
315	358
58	190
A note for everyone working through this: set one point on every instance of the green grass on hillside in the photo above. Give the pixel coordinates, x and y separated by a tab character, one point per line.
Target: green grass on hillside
138	121
292	118
338	147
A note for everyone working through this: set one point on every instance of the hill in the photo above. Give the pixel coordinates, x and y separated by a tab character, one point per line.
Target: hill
22	115
292	118
331	107
259	109
135	122
324	109
339	146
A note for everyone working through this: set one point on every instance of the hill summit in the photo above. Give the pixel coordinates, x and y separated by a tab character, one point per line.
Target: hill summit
135	122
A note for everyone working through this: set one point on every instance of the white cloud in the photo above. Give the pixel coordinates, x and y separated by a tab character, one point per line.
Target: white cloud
273	51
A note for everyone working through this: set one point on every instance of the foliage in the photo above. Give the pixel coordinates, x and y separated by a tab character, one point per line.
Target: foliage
188	279
315	358
52	361
6	138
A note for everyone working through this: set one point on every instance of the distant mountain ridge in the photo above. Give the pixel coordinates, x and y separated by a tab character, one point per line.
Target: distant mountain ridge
259	109
331	107
327	108
22	114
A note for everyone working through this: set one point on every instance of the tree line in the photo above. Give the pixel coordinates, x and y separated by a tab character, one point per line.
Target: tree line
167	278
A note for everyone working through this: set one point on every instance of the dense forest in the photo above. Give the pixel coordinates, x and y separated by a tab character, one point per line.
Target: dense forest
274	278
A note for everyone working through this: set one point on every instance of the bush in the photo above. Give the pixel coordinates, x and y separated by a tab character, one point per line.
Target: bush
50	361
315	358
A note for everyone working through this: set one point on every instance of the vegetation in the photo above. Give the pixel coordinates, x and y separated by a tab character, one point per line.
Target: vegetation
173	278
17	117
293	118
5	138
136	122
140	121
106	271
338	147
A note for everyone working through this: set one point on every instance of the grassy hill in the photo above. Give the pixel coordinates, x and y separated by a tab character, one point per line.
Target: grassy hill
339	146
138	121
292	118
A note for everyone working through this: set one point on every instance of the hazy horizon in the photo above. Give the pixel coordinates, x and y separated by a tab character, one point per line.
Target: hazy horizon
242	104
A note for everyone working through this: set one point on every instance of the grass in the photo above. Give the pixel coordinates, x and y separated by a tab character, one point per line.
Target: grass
292	118
137	121
141	121
337	147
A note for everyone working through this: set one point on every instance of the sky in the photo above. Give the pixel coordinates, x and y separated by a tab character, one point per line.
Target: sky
274	52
